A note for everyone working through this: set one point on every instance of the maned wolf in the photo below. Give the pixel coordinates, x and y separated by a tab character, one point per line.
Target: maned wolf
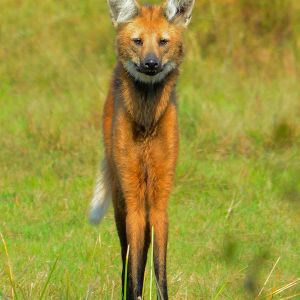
141	134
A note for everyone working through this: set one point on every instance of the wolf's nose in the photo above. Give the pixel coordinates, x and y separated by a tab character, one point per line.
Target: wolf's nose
151	63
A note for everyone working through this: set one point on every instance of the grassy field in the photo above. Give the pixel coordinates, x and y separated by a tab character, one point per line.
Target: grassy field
235	206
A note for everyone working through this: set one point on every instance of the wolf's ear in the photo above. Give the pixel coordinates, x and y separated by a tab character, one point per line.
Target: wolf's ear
179	11
122	11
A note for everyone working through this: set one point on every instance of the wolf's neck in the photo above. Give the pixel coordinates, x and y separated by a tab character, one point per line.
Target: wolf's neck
146	102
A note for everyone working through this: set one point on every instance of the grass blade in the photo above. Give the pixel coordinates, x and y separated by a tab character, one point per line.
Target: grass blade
144	280
10	273
48	279
160	296
112	291
151	262
126	271
220	291
290	297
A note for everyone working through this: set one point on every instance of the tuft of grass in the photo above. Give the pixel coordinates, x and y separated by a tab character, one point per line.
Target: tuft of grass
265	283
284	288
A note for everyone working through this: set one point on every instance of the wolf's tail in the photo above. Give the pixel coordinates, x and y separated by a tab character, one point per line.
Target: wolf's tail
101	198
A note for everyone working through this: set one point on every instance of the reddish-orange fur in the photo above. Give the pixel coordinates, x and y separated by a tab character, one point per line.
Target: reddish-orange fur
141	145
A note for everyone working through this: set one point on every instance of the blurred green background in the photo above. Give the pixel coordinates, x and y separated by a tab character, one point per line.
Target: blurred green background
235	206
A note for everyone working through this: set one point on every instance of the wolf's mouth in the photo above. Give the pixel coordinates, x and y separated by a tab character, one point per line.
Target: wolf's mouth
146	71
139	74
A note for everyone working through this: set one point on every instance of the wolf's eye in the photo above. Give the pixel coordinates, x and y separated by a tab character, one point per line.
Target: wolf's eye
163	42
138	41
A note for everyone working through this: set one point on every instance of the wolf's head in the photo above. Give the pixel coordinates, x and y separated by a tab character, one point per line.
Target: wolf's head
149	40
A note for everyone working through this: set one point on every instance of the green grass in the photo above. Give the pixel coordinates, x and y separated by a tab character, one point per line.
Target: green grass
235	204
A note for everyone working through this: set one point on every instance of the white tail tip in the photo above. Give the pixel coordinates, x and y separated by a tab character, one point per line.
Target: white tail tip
98	210
100	202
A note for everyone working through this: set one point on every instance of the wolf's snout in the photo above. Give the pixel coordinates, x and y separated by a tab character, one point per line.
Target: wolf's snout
151	64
